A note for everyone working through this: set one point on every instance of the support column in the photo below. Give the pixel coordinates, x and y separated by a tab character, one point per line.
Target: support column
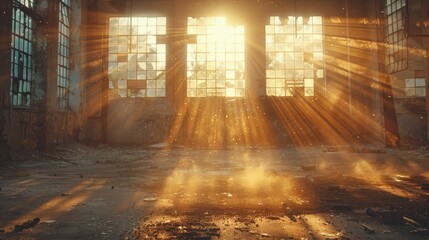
255	55
52	16
176	77
5	51
177	53
92	129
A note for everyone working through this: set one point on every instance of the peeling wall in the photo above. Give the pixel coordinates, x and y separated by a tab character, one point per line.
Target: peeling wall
27	129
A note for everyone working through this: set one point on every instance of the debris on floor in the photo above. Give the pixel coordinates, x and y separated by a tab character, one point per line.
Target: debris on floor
181	194
26	225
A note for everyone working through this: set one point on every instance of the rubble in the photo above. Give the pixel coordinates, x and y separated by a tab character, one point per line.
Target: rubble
368	229
150	199
163	198
26	225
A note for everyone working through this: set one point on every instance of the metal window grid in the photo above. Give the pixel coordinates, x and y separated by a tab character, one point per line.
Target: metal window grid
63	71
21	56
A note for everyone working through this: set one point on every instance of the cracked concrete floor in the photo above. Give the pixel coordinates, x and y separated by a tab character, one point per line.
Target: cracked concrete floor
109	192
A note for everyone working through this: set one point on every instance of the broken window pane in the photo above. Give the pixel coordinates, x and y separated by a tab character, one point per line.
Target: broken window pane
139	55
21	55
219	55
63	72
292	47
396	41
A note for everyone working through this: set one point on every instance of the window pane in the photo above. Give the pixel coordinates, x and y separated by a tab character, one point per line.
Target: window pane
63	77
396	41
219	54
293	38
140	57
21	56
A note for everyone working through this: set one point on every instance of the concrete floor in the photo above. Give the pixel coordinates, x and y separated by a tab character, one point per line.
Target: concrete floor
177	193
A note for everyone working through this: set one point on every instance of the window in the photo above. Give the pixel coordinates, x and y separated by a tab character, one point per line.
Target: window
21	54
415	87
396	52
63	71
294	55
215	60
137	59
26	3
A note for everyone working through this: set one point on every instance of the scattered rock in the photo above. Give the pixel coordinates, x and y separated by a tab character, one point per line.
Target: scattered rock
49	221
411	221
242	229
150	199
65	194
227	194
27	224
367	229
373	212
290	214
420	231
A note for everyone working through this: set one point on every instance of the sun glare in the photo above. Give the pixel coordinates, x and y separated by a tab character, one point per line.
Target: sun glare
215	61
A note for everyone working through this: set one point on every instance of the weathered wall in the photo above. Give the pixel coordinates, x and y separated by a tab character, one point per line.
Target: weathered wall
91	72
140	121
40	126
348	110
5	41
411	115
412	111
76	57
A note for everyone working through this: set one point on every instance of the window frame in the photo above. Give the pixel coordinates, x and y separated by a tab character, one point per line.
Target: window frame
21	76
294	44
64	54
139	47
208	71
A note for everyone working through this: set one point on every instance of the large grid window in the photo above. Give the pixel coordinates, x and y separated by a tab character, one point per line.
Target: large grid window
396	52
215	61
63	71
21	54
136	58
294	55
